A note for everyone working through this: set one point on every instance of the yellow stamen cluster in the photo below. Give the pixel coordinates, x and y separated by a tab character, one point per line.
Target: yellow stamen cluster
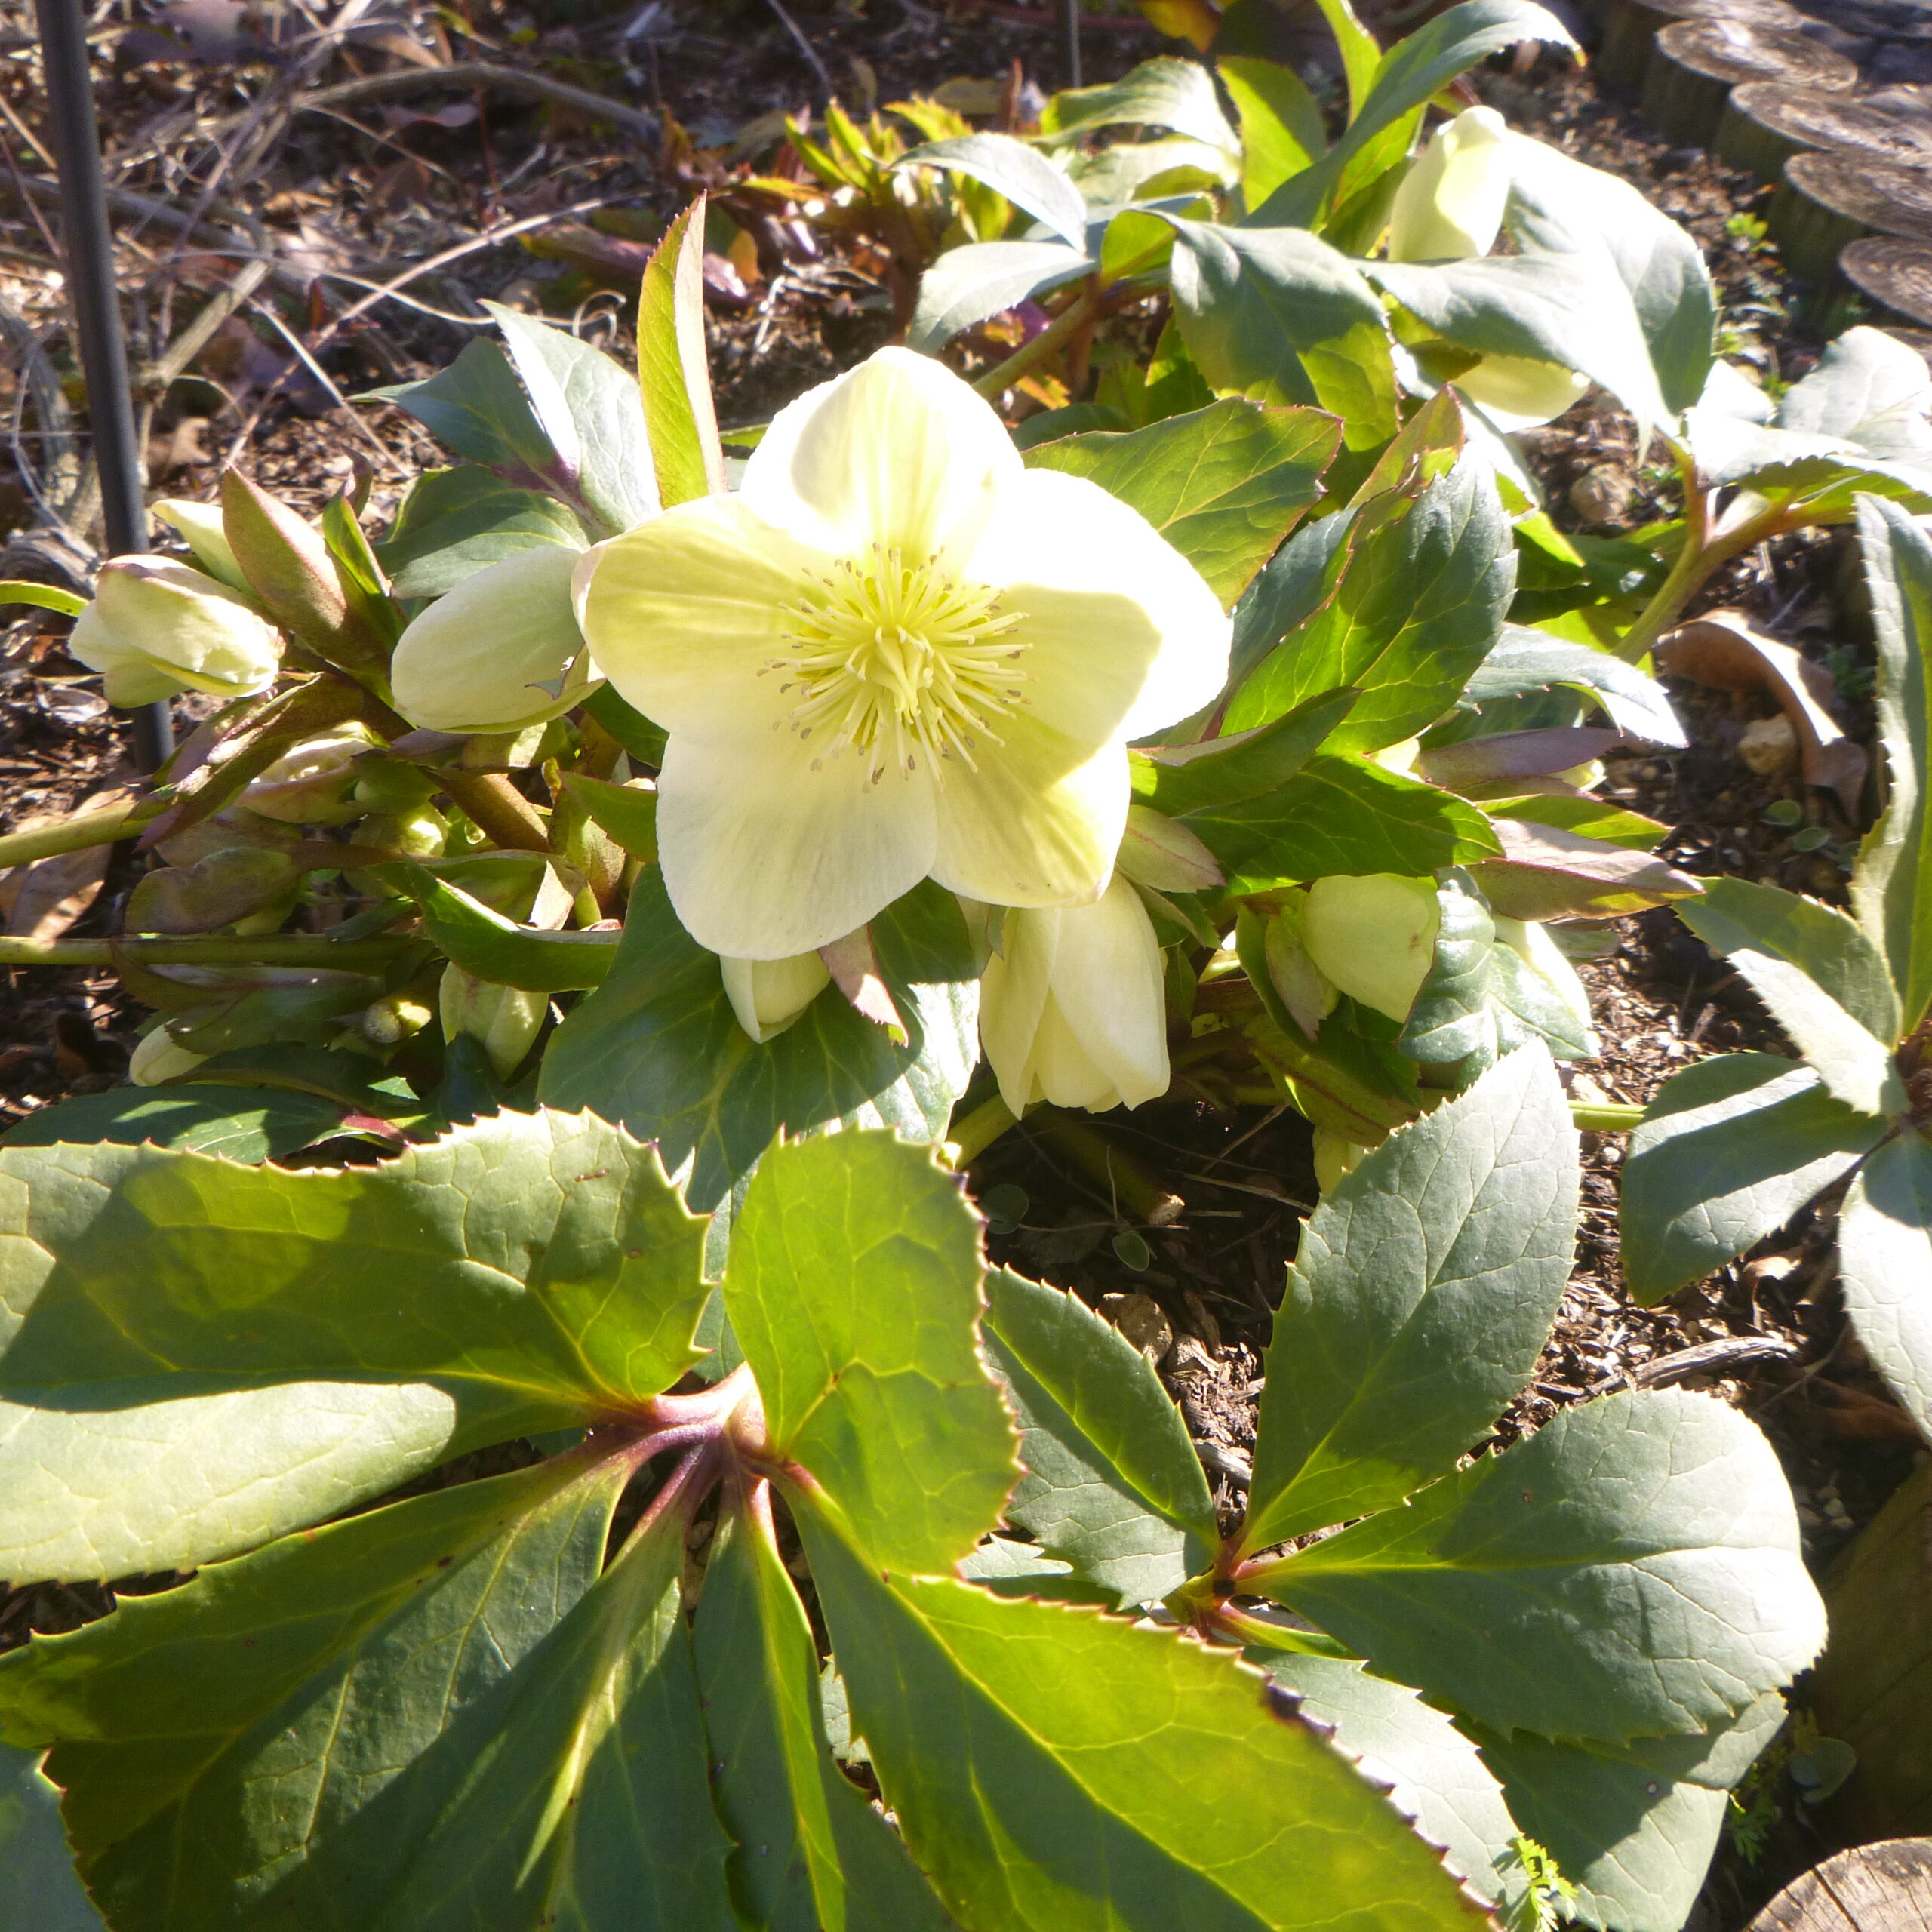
895	658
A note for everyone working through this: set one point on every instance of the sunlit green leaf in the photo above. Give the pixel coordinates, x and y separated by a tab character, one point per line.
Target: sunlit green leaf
1885	1257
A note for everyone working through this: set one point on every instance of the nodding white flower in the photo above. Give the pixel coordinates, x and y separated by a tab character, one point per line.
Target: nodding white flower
156	627
1450	207
767	995
1072	1008
500	651
897	652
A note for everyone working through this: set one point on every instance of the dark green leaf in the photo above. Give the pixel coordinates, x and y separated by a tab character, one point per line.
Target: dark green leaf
1415	69
810	1852
1022	174
1223	485
493	948
1633	1830
38	1891
641	739
1729	1150
592	413
1279	317
656	1045
1467	1014
1113	1483
628	812
1420	1298
1341	815
1044	1761
673	375
524	1274
1175	779
479	408
454	522
1416	599
343	1078
1631	1570
1892	887
1437	1775
1885	1252
240	1122
1161	92
1528	660
1292	586
967	284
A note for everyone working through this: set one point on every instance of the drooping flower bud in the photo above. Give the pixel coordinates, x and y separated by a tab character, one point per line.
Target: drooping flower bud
767	995
311	783
1519	392
505	1019
156	1059
1450	205
1071	1009
500	651
1374	936
156	627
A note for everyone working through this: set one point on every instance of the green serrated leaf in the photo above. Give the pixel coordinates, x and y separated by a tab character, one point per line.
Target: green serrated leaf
1280	317
1161	92
1729	1151
1528	660
1633	1830
39	1890
810	1852
1223	485
455	522
1421	1296
491	947
1632	1569
657	1047
1439	1776
1885	1266
1416	601
628	812
967	284
1341	815
1247	765
1022	174
265	1707
240	1122
1281	129
480	410
1052	1766
524	1274
854	1289
1112	1483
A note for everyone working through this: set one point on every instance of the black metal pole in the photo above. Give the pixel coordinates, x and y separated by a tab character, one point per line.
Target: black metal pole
88	242
1069	27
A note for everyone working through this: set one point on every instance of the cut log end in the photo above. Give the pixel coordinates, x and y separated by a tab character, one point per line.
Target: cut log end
1894	274
1696	64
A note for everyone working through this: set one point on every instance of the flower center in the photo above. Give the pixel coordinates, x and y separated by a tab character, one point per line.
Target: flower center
894	658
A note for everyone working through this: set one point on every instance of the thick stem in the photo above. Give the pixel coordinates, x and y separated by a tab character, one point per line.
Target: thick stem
206	949
1607	1116
76	834
1133	1188
495	807
971	1137
1078	315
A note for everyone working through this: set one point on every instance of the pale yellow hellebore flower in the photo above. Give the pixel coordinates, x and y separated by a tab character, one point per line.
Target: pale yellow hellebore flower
767	995
500	651
156	627
1450	207
897	652
1071	1010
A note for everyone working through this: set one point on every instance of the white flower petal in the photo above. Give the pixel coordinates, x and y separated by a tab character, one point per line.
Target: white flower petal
683	613
1106	986
1039	823
1064	1073
1012	1000
500	651
764	857
1451	203
1125	635
767	995
900	452
1519	392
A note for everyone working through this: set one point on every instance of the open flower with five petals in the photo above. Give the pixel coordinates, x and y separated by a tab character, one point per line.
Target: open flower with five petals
896	653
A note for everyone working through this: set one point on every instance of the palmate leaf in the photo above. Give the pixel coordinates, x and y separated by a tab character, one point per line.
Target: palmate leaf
1053	1767
1423	1291
522	1274
1223	485
1632	1570
1113	1484
1728	1152
657	1047
854	1289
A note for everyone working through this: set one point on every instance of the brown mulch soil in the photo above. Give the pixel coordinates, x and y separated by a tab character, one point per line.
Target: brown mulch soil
404	184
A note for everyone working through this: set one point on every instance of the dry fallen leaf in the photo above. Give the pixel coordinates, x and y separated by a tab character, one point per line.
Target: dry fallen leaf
41	901
1722	650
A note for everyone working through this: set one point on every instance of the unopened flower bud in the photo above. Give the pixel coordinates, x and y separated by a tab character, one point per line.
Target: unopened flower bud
1072	1008
500	651
767	995
156	1059
1450	205
156	627
505	1019
1374	937
311	782
198	525
386	1021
